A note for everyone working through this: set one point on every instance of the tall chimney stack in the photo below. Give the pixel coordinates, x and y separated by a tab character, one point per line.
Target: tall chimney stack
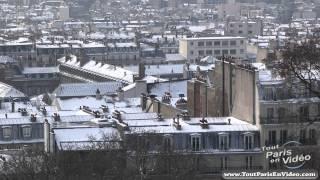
12	106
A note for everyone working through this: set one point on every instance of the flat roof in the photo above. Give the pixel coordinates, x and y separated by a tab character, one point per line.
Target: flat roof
214	38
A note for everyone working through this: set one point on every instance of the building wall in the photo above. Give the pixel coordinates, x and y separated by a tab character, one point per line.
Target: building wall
195	48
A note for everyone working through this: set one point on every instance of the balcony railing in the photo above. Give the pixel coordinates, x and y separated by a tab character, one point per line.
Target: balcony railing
290	119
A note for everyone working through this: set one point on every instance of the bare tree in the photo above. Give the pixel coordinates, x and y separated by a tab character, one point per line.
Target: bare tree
302	61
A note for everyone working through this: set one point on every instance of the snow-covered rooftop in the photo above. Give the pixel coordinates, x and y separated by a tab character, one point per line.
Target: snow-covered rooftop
40	70
86	89
84	138
7	91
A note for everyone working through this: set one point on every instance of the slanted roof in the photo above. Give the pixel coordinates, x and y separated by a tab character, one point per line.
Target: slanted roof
7	91
85	138
86	89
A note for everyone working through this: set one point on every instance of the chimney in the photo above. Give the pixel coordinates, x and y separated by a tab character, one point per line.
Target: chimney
52	142
117	115
104	108
204	123
0	103
120	94
33	118
229	121
176	123
142	71
56	117
46	136
143	101
12	106
141	86
98	95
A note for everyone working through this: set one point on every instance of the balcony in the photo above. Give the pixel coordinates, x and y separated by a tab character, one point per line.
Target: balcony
289	119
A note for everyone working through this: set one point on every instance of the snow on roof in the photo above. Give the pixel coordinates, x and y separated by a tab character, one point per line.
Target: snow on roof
174	87
194	126
111	71
7	91
266	77
75	103
174	57
83	138
152	79
20	120
259	66
128	87
139	116
40	70
194	67
86	89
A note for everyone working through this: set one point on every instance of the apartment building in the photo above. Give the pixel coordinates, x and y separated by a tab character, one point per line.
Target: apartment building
244	28
195	48
283	108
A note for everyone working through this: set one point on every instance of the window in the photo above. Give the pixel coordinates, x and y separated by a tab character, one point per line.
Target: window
26	131
217	43
233	43
195	142
225	52
249	162
241	42
224	162
233	51
272	138
302	135
240	32
225	43
7	132
241	51
208	52
283	136
250	32
191	43
200	44
240	25
167	142
281	113
312	134
268	94
269	113
248	141
224	142
231	25
201	53
304	113
208	43
191	52
143	142
217	52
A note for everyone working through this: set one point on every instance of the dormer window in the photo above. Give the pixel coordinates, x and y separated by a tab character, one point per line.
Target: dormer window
248	141
224	141
6	131
195	142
